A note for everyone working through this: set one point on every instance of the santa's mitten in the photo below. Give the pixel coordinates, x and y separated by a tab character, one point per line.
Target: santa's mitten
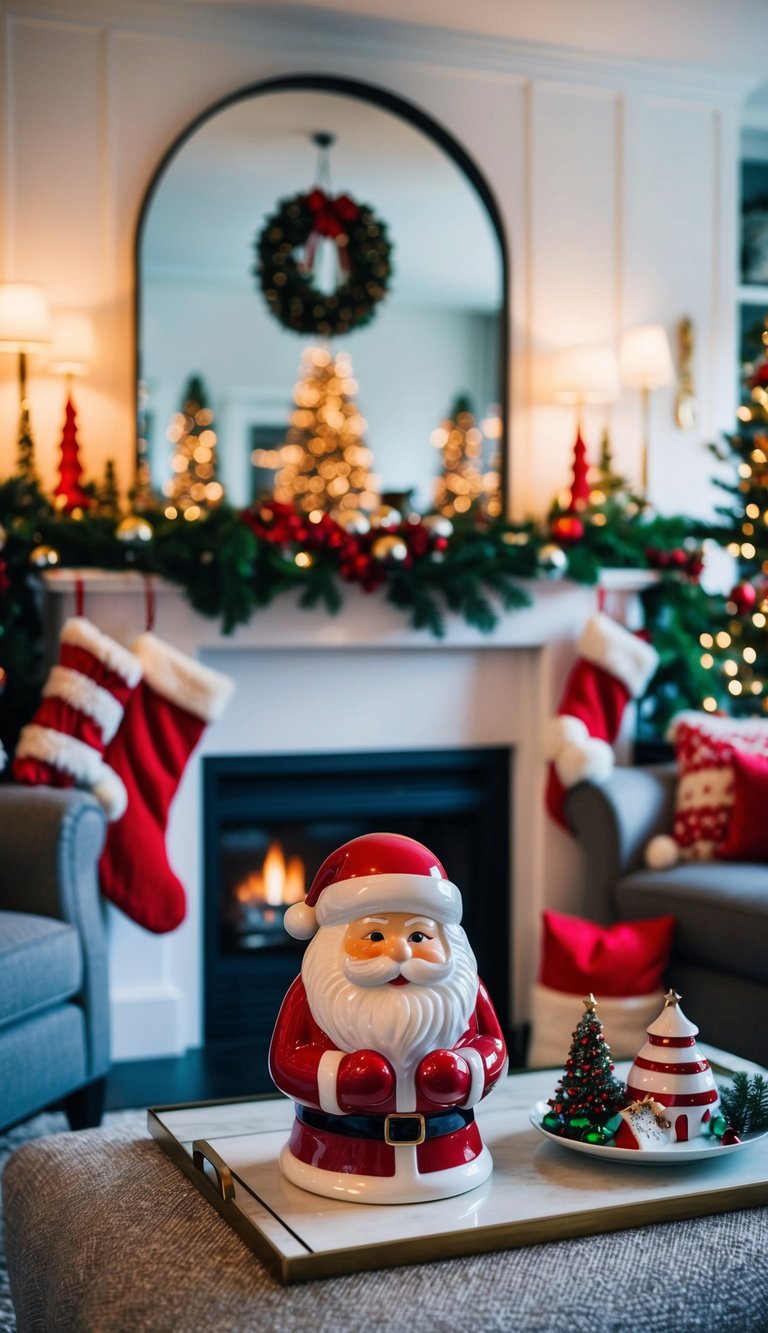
83	702
364	1079
445	1078
613	666
165	718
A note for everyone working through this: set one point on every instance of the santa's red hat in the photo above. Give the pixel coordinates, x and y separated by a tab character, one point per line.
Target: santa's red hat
380	872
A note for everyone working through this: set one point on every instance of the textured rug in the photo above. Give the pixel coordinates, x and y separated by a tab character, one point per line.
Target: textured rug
36	1128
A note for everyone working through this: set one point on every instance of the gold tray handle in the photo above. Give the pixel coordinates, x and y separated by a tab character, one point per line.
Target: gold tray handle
203	1153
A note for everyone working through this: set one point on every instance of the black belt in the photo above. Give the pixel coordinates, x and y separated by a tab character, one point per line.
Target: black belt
400	1129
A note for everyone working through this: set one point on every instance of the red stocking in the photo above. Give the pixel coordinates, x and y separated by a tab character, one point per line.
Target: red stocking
613	666
82	707
165	718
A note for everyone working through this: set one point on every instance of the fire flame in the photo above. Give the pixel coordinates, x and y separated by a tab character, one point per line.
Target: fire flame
278	883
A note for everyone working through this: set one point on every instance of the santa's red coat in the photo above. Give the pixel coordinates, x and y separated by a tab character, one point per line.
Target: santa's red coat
298	1046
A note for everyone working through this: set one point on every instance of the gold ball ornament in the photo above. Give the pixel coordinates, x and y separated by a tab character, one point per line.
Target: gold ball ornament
552	561
386	517
352	520
133	528
389	550
44	557
438	524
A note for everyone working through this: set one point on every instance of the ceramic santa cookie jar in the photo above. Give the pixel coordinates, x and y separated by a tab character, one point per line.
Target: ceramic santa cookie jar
674	1072
387	1039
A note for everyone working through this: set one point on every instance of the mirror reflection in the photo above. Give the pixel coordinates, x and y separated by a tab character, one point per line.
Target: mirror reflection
403	407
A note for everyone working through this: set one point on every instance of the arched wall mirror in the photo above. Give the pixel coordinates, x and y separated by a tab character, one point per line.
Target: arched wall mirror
439	334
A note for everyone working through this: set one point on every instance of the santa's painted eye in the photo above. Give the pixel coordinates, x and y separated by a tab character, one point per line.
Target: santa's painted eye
418	937
374	935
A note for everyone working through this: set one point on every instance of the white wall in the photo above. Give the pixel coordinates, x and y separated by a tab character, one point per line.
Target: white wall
616	179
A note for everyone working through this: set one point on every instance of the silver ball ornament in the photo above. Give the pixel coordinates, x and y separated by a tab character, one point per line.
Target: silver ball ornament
438	525
386	517
553	561
133	528
389	550
352	520
44	557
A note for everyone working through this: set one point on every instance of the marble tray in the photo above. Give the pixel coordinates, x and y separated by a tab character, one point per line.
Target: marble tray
537	1192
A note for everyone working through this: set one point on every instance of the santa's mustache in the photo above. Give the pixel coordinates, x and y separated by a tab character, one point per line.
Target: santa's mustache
378	971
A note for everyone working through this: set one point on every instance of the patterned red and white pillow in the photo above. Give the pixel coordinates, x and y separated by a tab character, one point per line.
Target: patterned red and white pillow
704	747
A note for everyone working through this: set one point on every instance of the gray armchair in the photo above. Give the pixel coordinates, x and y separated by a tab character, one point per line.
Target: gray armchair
720	960
54	1003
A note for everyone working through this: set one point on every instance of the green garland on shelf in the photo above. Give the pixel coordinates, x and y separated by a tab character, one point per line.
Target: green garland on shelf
232	562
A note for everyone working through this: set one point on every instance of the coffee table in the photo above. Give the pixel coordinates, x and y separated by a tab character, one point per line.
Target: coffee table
104	1232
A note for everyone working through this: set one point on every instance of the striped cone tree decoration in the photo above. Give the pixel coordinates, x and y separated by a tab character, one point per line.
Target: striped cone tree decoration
675	1073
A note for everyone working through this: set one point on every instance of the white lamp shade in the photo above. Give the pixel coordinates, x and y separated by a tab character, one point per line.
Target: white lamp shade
585	375
73	344
25	324
645	360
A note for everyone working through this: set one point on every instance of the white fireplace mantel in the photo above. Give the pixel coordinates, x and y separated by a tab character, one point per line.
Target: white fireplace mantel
308	682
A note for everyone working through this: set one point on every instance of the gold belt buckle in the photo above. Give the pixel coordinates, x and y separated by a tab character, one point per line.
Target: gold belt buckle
405	1115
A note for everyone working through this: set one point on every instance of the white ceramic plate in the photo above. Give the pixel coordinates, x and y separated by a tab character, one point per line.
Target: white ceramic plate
677	1154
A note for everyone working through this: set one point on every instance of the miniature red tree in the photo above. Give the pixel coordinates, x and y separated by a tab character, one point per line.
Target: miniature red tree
68	492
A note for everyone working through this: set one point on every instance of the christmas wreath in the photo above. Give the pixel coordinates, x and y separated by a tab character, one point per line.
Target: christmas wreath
286	248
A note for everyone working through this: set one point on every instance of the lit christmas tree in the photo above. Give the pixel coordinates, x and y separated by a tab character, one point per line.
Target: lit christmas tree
736	654
193	488
324	464
463	483
588	1095
68	494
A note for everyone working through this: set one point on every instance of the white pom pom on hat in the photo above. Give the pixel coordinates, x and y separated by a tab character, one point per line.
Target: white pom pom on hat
384	872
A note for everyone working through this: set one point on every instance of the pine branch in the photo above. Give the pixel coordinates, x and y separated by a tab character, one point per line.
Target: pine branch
745	1103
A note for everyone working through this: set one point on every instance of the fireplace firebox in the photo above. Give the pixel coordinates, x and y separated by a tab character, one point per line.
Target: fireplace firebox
270	821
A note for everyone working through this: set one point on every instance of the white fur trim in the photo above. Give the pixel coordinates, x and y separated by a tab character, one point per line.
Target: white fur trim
300	921
80	633
554	1015
351	898
477	1069
608	644
327	1075
111	794
563	730
591	761
84	695
717	724
60	751
182	680
662	852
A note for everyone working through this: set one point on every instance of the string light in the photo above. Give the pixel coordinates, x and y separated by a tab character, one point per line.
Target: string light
465	479
192	489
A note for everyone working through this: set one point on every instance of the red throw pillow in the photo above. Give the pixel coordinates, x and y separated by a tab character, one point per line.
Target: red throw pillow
705	746
627	958
747	837
623	965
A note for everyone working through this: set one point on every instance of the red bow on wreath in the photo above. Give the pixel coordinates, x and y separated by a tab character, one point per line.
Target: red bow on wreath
331	218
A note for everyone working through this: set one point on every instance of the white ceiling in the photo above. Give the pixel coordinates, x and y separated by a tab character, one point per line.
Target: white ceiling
224	181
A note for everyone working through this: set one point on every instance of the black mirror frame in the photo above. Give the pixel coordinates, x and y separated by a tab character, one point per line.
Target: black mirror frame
398	106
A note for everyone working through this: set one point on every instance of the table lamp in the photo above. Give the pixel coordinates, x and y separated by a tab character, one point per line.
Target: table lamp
645	363
72	350
24	328
583	375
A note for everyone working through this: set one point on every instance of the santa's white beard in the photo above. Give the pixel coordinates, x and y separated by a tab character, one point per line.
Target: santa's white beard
402	1023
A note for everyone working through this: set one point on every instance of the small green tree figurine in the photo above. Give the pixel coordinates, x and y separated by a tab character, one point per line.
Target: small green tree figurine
588	1095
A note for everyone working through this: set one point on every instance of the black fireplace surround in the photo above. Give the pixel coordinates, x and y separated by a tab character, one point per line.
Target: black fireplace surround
302	807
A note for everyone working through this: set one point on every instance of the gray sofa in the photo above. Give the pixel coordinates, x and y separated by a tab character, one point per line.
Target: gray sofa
54	1006
720	960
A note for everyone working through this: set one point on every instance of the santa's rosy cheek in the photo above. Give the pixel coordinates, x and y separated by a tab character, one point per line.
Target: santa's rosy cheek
362	949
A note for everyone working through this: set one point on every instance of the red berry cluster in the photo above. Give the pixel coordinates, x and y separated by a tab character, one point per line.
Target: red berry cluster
688	563
353	553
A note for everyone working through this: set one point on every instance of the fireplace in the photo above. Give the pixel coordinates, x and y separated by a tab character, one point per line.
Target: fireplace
271	821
